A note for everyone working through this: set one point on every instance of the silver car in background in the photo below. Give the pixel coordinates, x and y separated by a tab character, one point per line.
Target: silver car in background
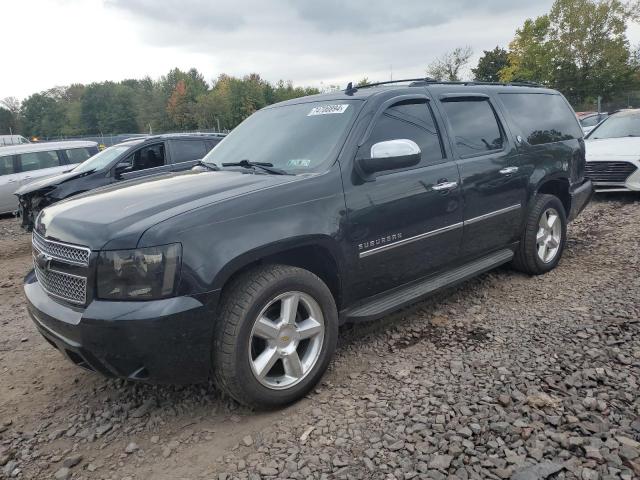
23	164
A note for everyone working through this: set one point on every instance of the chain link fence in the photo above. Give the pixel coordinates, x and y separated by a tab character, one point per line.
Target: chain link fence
624	100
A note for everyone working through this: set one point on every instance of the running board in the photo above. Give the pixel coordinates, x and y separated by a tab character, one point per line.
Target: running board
383	304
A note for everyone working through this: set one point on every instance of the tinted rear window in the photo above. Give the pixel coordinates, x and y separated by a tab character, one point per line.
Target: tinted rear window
38	161
6	165
542	118
185	150
475	126
77	155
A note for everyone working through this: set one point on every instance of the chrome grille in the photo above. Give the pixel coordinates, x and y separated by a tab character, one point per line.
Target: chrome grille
64	252
71	288
609	172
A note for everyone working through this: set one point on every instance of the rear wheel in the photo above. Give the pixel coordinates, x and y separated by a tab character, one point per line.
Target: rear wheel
544	236
275	336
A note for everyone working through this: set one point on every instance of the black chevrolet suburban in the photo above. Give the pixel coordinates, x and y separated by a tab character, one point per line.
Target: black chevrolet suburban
333	208
135	158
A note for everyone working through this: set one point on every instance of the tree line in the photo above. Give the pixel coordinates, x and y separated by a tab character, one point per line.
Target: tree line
178	101
580	47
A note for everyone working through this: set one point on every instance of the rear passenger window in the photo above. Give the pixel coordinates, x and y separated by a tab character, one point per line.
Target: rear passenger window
6	165
412	120
38	161
186	150
77	155
475	126
542	118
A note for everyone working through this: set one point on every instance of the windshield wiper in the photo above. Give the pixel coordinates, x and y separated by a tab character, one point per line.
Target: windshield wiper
209	166
267	167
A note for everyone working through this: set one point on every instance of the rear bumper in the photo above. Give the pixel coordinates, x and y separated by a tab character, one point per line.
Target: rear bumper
581	195
163	341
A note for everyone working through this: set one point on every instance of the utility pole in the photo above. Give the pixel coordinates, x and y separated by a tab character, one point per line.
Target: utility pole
599	104
391	71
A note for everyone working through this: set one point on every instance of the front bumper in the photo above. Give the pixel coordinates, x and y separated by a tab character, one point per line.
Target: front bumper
161	341
581	195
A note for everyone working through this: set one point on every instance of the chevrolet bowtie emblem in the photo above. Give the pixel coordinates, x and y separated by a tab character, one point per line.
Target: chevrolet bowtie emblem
43	261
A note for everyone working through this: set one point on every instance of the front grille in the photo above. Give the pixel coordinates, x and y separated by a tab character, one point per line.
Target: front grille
64	252
71	288
609	172
56	281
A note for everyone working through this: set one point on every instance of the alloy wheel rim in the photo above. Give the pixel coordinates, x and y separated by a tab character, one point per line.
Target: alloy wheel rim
549	235
286	340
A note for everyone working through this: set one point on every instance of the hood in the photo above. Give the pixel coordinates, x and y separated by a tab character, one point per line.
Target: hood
48	182
119	214
612	148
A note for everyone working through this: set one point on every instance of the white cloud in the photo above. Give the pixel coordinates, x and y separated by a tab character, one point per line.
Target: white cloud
58	42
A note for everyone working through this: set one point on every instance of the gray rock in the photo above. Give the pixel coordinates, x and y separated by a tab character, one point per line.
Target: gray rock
62	474
72	461
539	471
440	462
131	448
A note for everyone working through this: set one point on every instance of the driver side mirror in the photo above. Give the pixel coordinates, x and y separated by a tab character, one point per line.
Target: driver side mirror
390	155
122	168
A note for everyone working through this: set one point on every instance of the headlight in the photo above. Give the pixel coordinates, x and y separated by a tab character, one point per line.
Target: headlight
141	274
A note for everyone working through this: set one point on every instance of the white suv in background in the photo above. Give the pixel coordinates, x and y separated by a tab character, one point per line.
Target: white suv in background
23	164
613	153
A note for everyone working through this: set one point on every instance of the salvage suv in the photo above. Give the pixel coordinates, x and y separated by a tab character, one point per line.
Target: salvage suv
317	211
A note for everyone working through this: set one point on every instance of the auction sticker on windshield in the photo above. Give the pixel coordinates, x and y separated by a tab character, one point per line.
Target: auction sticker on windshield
328	109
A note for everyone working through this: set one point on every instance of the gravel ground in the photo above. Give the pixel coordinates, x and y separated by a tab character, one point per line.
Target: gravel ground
506	376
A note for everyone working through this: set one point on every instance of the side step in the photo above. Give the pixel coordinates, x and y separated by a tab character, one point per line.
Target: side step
385	303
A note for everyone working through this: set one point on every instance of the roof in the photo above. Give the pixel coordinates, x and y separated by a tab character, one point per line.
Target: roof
411	86
45	147
169	136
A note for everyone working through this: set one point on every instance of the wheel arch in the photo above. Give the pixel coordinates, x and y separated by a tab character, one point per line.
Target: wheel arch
558	187
317	254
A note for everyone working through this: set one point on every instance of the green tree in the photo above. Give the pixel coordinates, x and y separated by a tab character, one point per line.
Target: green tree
9	115
490	64
580	47
43	114
449	66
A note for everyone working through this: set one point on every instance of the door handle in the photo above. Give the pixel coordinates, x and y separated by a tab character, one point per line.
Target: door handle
11	180
445	186
509	170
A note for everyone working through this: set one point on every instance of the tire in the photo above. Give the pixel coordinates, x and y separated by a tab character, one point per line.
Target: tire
530	257
241	342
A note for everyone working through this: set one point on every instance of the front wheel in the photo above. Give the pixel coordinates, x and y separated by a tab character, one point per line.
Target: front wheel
275	335
544	236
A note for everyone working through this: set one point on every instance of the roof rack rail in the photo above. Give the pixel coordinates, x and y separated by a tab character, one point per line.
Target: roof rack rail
416	82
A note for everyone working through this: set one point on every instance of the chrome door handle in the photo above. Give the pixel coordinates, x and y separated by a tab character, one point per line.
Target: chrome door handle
444	186
509	170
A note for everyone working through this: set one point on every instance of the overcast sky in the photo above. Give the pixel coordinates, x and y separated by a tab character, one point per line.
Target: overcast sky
46	43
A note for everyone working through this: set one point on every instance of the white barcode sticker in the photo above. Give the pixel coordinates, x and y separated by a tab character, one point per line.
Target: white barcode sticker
328	109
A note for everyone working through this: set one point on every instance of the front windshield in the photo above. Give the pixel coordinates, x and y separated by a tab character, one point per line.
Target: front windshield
617	126
297	138
102	159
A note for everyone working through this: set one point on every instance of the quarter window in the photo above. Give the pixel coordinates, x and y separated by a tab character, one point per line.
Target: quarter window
186	150
413	120
6	165
542	117
475	126
38	160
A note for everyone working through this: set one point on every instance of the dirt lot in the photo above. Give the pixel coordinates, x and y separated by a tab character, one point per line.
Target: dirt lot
506	376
